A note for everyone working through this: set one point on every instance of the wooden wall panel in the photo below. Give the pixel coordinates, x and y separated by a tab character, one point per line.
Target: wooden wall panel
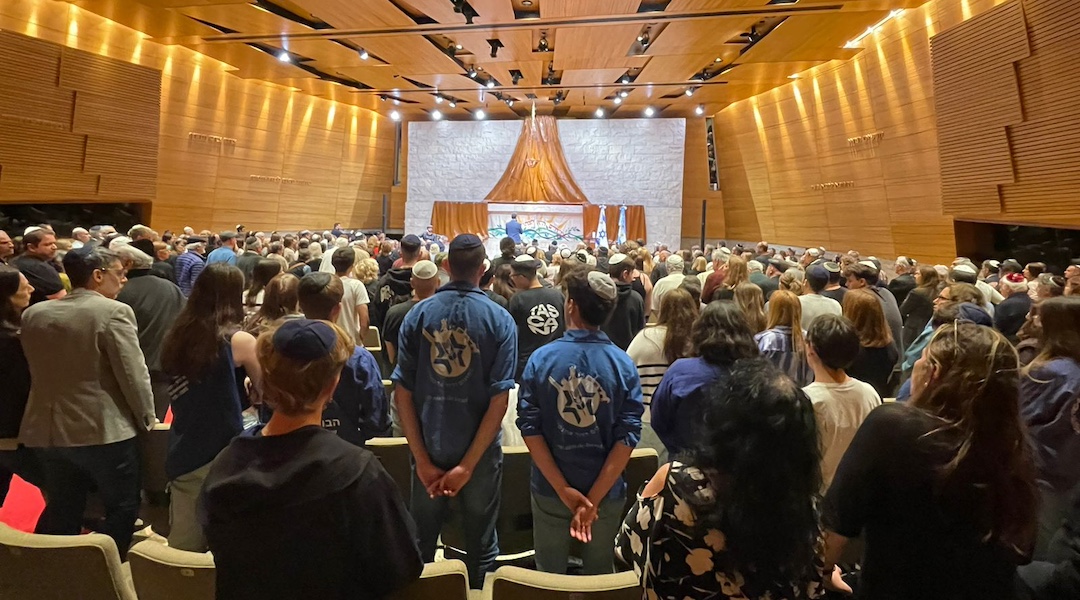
215	151
696	187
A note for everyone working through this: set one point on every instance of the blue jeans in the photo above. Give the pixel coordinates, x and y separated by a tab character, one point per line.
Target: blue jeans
70	473
479	505
551	536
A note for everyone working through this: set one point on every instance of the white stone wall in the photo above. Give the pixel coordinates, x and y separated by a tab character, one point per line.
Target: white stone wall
623	161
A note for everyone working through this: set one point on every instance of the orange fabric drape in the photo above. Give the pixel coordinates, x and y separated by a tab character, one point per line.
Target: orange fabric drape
454	218
635	221
537	171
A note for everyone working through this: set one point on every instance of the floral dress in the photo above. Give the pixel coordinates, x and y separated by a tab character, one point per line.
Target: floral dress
673	561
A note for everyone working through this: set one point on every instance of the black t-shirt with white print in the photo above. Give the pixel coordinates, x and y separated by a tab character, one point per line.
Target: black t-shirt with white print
539	316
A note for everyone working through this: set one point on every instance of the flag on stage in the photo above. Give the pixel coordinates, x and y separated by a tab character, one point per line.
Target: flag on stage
620	238
601	229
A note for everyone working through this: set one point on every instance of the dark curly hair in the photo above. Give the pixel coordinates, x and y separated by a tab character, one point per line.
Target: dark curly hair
721	334
759	445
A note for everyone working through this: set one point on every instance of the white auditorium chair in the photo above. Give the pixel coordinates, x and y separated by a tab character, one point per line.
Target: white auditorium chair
515	583
163	573
61	567
443	580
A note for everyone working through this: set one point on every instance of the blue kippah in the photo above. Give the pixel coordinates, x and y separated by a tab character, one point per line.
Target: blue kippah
304	339
465	241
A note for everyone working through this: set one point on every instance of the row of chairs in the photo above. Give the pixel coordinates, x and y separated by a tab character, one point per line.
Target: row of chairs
88	567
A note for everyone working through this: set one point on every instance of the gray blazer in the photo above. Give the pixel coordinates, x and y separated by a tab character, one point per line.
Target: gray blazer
89	382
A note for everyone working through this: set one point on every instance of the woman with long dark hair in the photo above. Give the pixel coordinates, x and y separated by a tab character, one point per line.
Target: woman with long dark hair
942	487
280	300
656	347
15	293
737	517
1050	405
202	353
918	306
720	336
261	274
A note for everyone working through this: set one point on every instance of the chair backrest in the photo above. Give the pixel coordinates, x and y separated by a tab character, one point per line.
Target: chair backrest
372	341
443	580
61	567
153	448
642	466
515	583
163	573
393	453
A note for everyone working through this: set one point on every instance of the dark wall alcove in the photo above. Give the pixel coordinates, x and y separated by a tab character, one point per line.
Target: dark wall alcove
15	218
1054	246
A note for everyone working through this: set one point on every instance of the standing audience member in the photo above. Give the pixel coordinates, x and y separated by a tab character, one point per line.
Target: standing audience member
265	270
751	301
226	252
190	264
89	398
424	283
877	354
156	303
579	411
904	282
720	337
865	275
629	315
782	342
656	347
841	403
942	486
834	290
1012	311
455	368
354	303
291	510
738	518
393	287
1050	406
384	258
918	306
672	280
1031	274
279	302
736	273
249	259
202	355
537	310
36	264
7	247
15	293
813	303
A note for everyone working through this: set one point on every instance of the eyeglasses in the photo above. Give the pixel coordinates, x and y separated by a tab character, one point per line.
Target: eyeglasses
940	297
121	272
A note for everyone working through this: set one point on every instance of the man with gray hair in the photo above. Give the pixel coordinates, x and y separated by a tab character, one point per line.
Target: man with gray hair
904	282
141	232
156	303
190	264
672	280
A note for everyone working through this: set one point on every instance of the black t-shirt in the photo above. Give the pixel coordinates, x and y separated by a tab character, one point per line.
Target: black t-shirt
393	320
15	373
875	366
539	316
837	294
917	544
41	275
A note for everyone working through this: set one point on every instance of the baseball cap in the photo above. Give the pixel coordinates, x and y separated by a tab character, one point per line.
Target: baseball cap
424	269
602	285
411	242
304	339
465	241
228	235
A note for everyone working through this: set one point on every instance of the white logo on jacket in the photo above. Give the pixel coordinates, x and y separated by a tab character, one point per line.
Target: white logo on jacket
579	398
451	350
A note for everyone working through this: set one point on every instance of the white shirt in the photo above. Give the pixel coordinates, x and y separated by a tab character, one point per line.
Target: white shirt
355	295
647	352
840	408
663	286
814	305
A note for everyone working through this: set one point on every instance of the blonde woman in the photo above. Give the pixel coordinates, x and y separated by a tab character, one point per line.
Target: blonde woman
751	301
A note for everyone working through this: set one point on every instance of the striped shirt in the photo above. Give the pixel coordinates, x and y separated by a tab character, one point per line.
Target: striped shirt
647	352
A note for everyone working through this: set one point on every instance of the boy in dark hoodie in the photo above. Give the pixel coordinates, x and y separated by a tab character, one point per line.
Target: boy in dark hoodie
629	316
395	286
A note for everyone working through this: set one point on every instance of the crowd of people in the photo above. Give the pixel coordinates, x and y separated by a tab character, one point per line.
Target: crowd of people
763	378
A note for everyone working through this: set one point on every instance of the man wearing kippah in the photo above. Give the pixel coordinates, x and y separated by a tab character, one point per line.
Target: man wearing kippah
455	368
536	309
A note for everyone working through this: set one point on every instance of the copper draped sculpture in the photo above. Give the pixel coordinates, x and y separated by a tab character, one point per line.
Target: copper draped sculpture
538	171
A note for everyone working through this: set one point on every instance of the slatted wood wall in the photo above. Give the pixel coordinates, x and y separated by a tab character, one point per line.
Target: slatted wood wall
228	150
777	149
696	186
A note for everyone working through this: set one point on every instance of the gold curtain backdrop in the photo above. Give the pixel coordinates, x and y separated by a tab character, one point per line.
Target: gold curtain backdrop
538	171
454	218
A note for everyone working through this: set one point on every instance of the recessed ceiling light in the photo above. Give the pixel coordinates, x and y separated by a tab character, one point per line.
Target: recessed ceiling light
649	111
480	115
459	46
436	115
453	104
718	59
395	115
624	94
600	113
526	2
490	83
472	72
284	57
618	100
794	76
364	54
689	91
700	110
438	99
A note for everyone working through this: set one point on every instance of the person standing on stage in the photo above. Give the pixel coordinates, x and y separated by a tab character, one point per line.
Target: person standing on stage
513	229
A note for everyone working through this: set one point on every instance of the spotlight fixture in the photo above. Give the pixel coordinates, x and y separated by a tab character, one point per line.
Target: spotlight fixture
515	76
490	83
453	104
854	43
794	76
450	50
700	110
718	59
643	39
649	111
495	45
510	102
617	100
436	115
458	47
284	57
624	94
364	54
438	99
690	91
704	75
472	72
600	113
559	97
479	115
625	78
395	115
526	3
542	45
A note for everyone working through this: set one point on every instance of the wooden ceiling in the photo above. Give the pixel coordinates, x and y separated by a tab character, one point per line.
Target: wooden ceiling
568	57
